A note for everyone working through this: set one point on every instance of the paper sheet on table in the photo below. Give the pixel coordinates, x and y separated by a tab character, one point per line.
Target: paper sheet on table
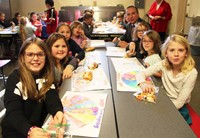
98	82
97	43
126	69
115	51
128	64
90	56
84	113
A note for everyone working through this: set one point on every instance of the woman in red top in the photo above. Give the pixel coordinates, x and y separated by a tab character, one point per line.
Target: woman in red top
52	17
160	14
34	21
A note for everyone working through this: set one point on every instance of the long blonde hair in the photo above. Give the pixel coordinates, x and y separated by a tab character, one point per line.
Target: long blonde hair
22	24
188	63
26	77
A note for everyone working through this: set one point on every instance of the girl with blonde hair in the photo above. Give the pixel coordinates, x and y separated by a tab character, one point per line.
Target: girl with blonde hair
26	30
178	73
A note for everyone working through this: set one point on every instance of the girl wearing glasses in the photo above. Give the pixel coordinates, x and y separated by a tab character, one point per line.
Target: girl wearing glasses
30	94
150	47
178	73
64	65
133	50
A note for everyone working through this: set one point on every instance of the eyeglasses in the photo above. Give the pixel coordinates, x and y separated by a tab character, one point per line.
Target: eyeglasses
31	55
147	41
141	31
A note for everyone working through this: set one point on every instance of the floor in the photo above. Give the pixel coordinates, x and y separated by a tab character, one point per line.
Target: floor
195	101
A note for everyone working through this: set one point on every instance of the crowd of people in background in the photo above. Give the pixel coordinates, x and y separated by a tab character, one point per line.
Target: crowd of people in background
64	44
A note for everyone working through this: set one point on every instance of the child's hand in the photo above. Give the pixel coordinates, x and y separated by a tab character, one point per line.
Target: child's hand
147	87
132	46
37	132
83	44
61	122
130	53
67	72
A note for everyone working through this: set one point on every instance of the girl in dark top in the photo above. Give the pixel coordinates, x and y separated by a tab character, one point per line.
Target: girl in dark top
74	48
16	18
133	50
64	64
30	94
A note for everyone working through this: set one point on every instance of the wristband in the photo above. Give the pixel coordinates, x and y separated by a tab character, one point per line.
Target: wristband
29	131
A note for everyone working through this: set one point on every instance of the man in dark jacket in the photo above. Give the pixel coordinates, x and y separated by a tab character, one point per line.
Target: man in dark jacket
132	17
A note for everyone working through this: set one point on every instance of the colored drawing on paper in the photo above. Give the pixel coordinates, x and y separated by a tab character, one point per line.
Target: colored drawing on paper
80	110
129	79
84	113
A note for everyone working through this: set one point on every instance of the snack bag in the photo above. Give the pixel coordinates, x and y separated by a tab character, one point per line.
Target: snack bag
147	96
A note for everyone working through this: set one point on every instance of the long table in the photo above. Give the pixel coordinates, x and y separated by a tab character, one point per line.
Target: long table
126	117
106	30
10	34
108	126
139	119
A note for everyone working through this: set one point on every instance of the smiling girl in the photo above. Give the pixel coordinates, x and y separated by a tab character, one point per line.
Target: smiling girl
64	65
74	48
30	94
178	73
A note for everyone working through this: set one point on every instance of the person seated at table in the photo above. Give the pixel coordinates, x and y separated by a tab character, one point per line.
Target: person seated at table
88	24
30	94
35	22
150	48
178	73
5	23
132	16
26	29
74	49
78	34
120	20
6	41
90	11
16	18
133	50
64	65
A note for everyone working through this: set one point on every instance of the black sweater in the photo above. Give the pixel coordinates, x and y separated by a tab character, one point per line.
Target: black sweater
76	49
22	112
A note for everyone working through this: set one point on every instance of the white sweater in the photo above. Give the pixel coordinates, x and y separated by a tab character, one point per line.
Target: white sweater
178	87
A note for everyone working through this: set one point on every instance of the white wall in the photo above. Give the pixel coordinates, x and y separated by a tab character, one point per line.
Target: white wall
193	9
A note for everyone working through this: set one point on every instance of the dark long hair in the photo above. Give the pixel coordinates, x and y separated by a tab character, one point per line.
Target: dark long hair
26	77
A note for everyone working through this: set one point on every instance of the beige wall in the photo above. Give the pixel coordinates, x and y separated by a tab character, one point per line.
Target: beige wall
193	9
26	6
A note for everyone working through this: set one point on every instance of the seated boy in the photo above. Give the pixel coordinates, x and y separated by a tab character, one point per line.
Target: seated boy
88	24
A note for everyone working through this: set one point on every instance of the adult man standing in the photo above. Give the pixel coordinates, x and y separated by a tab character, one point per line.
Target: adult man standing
132	17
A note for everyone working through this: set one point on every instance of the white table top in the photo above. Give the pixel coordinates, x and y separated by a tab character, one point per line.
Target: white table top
9	31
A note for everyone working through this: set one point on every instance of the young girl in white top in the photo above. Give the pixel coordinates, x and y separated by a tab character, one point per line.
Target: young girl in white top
150	46
26	29
178	73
